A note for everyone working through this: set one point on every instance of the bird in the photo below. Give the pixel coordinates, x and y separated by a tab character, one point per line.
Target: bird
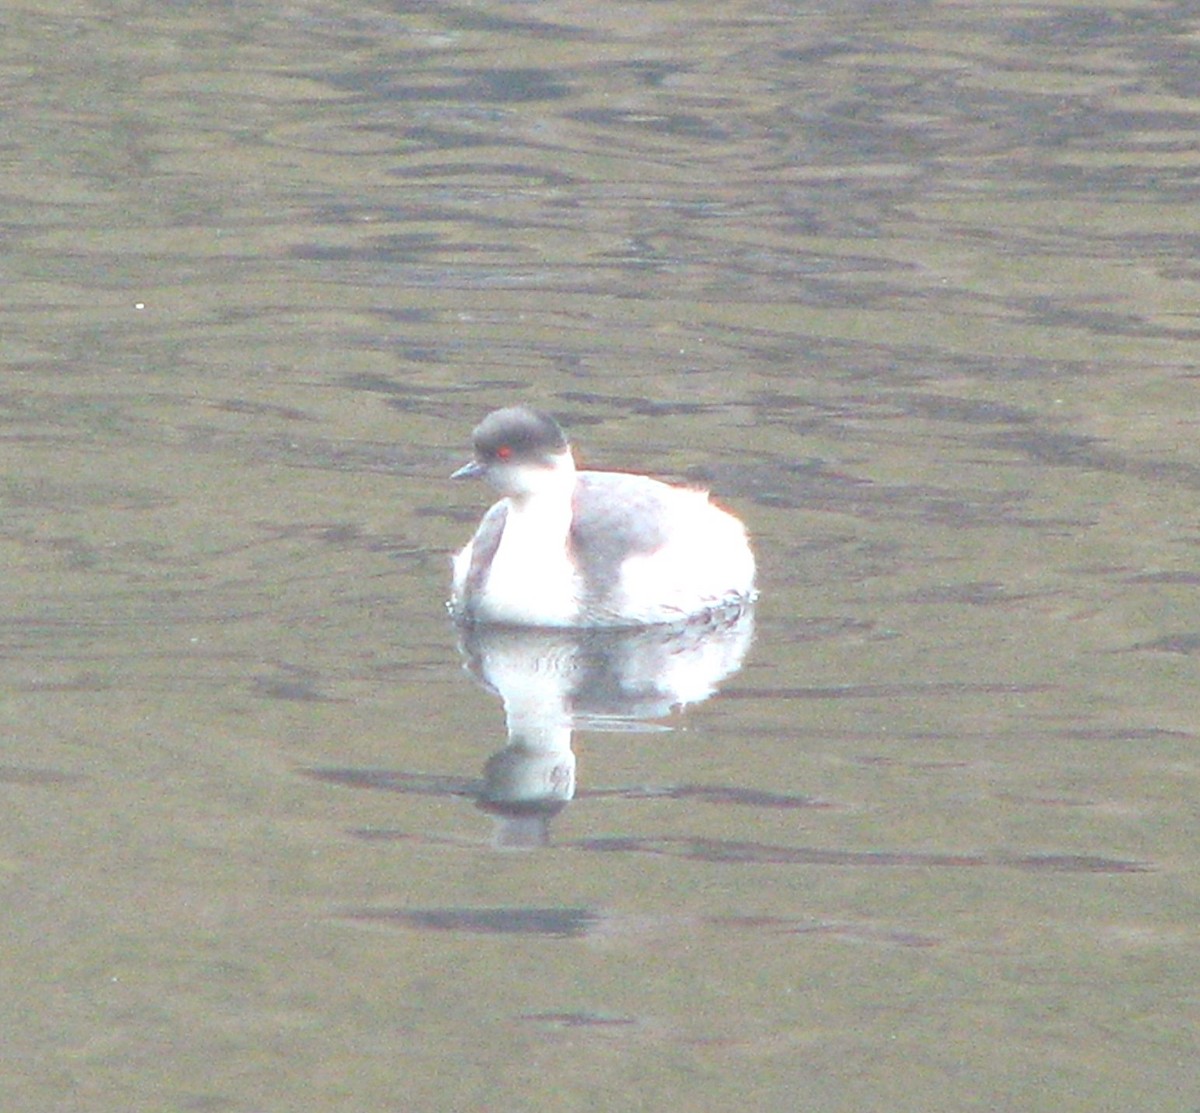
565	548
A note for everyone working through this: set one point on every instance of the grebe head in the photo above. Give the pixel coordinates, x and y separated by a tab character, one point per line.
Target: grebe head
520	452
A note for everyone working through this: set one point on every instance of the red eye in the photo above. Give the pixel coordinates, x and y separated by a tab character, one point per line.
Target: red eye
504	452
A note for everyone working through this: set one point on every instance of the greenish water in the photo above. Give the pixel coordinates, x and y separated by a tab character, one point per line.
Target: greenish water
913	288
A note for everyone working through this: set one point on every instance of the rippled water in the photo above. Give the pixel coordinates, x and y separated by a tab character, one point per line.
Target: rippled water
912	287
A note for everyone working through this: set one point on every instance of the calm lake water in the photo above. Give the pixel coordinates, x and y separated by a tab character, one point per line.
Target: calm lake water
913	287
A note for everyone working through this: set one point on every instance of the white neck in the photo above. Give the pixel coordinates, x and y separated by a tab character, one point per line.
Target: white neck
540	484
532	579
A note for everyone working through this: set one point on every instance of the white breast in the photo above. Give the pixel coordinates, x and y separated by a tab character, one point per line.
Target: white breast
532	580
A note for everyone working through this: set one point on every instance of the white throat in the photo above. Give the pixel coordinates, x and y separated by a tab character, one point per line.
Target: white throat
532	571
551	481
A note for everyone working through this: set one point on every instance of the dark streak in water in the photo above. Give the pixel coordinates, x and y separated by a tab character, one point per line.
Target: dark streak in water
727	852
298	690
883	691
579	1020
713	794
969	411
576	923
976	593
555	922
32	775
1186	644
1126	734
1057	449
846	930
427	784
1190	579
391	780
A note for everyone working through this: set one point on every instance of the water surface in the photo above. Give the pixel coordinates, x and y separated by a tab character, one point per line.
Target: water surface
913	288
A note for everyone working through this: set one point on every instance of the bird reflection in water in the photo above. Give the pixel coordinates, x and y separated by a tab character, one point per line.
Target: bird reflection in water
554	681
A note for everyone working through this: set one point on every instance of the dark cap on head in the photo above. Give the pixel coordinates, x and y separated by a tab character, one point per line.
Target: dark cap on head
523	430
514	434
